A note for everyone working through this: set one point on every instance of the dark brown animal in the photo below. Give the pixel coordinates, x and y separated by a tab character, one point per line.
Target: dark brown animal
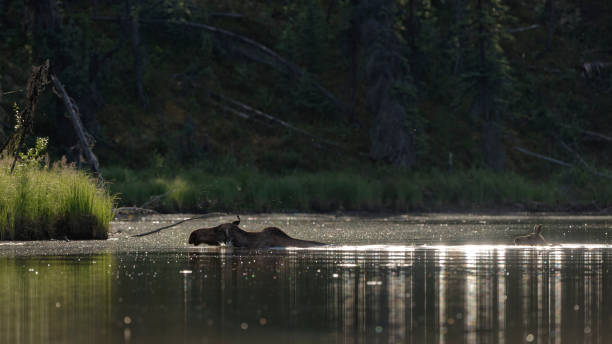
232	235
534	238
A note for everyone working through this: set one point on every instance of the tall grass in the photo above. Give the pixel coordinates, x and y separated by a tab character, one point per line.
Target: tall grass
52	202
373	189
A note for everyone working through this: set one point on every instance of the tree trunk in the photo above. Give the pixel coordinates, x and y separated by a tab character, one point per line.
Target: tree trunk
41	16
391	138
459	17
549	9
489	116
134	29
354	37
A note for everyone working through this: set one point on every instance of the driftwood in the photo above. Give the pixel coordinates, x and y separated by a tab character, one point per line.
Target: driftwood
75	117
178	223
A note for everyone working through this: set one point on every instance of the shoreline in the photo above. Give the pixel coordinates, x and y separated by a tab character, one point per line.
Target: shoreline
341	231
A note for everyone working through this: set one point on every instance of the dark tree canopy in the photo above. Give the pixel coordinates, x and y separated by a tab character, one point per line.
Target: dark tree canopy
320	85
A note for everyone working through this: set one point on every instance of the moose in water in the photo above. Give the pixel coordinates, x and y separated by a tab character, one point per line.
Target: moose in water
229	234
534	238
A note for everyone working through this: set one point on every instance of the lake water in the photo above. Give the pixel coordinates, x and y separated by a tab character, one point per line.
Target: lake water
414	279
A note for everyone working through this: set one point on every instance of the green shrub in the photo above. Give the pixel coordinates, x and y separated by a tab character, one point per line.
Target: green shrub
247	189
57	202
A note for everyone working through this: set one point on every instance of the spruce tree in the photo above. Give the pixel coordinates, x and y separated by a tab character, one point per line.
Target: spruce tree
484	83
390	93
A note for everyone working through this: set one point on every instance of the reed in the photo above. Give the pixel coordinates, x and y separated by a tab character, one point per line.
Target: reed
56	202
375	189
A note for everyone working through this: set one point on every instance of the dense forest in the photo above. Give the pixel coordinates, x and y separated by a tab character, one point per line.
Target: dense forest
379	87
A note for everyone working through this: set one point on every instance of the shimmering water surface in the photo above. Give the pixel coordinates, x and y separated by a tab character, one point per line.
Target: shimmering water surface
414	279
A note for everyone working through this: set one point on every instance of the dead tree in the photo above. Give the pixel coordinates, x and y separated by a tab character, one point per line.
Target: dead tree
37	82
86	141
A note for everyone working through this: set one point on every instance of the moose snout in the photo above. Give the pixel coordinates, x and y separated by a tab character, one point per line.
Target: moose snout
193	238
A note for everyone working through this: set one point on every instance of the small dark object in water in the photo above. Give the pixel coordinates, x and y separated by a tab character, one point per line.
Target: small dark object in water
534	238
230	234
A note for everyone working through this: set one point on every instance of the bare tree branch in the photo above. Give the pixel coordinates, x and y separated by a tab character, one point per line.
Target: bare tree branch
590	133
595	134
594	68
226	14
524	28
289	67
543	157
274	119
586	166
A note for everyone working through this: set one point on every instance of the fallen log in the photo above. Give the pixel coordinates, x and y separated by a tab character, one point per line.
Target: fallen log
543	157
584	164
246	110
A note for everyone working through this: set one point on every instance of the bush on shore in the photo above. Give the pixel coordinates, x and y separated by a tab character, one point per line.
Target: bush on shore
244	189
52	202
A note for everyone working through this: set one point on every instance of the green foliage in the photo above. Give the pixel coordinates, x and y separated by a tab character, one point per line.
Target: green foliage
244	189
305	40
464	64
484	88
43	203
33	157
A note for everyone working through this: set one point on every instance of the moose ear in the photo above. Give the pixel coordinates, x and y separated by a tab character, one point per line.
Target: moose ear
537	229
237	222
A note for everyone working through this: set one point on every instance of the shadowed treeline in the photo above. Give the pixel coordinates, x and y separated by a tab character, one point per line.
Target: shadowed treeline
519	86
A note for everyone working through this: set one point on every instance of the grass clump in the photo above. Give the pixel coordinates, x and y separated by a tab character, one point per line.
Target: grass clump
52	202
374	189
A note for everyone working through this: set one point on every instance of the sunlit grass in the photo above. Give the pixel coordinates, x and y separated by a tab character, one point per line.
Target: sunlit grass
52	202
244	189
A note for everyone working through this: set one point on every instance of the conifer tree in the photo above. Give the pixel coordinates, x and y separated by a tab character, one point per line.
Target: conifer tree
485	82
390	93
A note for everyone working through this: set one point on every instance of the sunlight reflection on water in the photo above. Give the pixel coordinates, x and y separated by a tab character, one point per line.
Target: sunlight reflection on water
360	294
423	282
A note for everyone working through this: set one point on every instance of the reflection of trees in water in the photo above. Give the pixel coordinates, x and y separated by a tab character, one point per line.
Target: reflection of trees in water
443	295
473	294
54	299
